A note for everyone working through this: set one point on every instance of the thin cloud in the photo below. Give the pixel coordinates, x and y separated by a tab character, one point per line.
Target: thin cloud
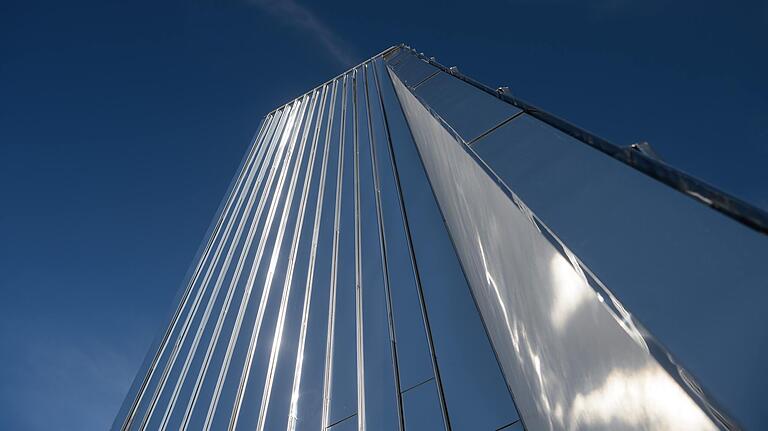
305	20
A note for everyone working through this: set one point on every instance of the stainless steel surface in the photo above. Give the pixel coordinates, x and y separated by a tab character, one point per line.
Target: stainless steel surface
474	390
723	202
694	278
468	111
308	308
370	270
571	362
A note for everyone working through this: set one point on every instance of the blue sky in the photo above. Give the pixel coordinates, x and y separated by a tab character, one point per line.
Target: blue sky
121	126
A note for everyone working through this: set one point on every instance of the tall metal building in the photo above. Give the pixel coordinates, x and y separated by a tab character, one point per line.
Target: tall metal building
406	248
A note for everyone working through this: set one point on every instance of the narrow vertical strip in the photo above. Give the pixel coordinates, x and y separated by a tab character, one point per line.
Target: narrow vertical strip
293	415
358	263
404	215
328	375
383	251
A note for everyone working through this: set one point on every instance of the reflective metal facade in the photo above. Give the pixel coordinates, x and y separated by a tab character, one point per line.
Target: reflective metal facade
404	248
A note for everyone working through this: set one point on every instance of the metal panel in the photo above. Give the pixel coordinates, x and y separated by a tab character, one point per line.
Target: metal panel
194	321
251	385
468	111
226	385
572	360
617	221
341	366
474	391
421	407
307	394
413	70
369	270
379	393
276	410
414	359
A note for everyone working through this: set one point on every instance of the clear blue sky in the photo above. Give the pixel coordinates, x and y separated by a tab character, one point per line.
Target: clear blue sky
121	126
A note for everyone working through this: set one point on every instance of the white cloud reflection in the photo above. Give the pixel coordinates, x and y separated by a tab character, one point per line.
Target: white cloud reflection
575	362
570	290
640	399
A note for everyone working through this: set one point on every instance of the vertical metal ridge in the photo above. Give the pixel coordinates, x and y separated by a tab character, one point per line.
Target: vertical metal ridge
266	125
455	134
185	329
358	264
328	375
384	261
214	298
293	413
277	339
266	197
233	286
220	320
422	303
290	142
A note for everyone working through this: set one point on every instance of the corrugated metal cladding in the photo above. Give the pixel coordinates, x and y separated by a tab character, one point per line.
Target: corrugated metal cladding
405	249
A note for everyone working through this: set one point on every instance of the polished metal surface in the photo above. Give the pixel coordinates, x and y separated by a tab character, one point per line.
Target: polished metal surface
571	362
403	248
694	278
318	302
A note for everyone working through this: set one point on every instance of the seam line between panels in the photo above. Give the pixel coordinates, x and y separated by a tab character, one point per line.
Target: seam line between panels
494	128
341	420
419	384
508	425
432	75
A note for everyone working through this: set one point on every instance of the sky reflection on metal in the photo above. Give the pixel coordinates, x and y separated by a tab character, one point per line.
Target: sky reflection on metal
363	178
565	351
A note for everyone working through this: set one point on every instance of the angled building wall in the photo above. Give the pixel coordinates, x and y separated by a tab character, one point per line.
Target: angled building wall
404	248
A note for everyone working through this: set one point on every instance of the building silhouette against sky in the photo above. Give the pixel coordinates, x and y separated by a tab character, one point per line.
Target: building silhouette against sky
406	248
